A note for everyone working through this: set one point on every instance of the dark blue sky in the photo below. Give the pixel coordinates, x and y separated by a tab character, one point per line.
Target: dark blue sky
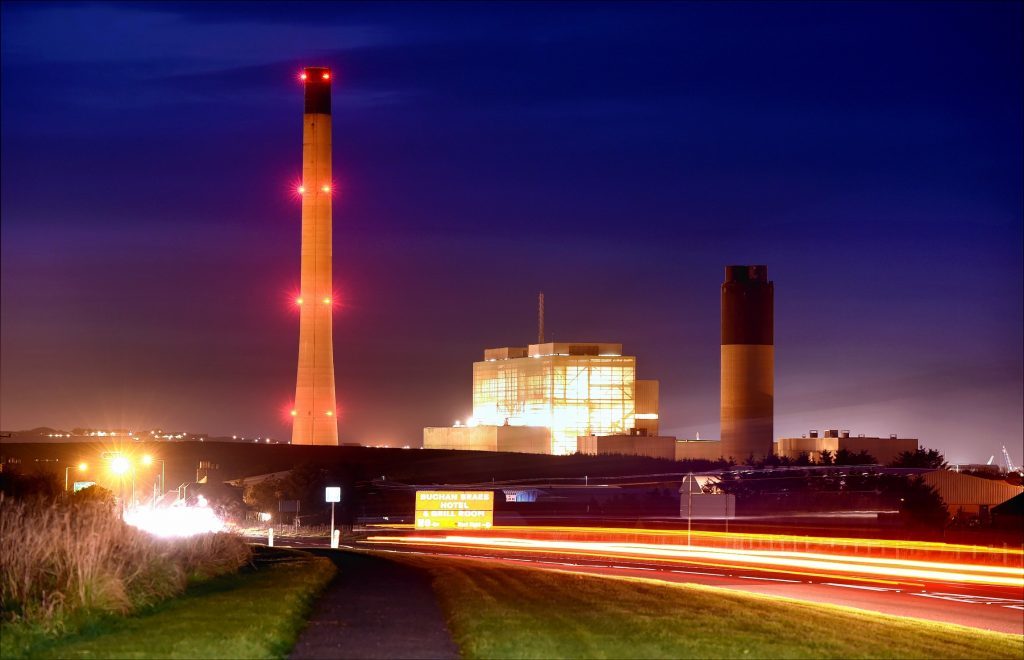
616	156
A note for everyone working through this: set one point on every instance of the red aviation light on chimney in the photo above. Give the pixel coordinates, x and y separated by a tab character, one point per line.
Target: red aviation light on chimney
301	189
303	76
326	188
327	75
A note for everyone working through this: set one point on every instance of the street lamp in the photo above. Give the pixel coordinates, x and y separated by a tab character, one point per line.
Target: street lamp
82	467
120	465
149	460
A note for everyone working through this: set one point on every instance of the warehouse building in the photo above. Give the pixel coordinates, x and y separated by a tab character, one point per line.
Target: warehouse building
968	495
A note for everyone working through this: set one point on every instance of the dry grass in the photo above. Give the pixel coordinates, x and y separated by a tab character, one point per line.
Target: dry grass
63	562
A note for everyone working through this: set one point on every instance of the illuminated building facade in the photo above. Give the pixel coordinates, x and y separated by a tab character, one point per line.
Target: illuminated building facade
314	416
573	389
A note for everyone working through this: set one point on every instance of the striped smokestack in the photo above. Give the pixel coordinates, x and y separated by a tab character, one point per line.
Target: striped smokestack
748	362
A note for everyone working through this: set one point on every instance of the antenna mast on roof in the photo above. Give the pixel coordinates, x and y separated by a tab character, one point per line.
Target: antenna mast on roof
540	318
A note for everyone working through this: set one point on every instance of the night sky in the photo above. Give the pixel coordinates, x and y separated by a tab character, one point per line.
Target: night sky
616	157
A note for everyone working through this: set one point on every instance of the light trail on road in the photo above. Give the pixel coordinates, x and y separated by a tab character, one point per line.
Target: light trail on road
783	561
711	538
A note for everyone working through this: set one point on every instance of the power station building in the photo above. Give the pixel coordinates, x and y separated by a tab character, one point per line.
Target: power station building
314	416
884	450
568	389
748	362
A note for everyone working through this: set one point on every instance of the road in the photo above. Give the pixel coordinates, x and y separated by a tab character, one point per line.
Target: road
989	597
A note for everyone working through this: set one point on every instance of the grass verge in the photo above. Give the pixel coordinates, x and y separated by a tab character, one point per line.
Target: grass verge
509	612
256	613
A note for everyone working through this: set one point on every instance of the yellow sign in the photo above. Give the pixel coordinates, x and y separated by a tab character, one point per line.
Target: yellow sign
454	509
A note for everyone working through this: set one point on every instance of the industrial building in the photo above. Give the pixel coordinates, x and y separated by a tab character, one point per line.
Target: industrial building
570	389
884	450
748	362
314	420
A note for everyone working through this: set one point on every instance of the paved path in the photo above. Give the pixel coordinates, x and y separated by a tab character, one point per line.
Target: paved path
375	608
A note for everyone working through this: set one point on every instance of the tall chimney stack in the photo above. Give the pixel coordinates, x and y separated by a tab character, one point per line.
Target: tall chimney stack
315	420
540	318
748	362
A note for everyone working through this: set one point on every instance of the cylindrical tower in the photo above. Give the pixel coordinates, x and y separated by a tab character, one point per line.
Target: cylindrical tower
315	415
748	362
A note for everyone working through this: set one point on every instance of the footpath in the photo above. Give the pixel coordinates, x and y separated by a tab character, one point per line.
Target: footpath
375	608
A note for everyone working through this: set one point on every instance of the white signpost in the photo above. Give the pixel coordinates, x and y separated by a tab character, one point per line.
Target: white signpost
332	495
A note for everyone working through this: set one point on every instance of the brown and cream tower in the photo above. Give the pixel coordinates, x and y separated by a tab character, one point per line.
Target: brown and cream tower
315	420
748	362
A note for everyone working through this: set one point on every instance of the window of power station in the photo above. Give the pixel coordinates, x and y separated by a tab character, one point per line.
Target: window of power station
570	394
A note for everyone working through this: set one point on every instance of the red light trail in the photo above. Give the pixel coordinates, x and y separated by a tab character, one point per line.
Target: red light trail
818	563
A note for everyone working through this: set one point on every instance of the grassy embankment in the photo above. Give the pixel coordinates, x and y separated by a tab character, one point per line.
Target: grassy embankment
502	612
77	581
256	613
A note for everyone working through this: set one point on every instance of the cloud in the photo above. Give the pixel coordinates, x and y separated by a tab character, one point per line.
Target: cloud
123	34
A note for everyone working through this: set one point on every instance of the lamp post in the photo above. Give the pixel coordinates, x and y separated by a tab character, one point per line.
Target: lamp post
82	467
119	465
689	508
149	460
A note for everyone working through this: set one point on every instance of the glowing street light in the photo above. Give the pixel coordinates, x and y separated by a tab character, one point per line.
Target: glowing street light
119	465
148	460
82	467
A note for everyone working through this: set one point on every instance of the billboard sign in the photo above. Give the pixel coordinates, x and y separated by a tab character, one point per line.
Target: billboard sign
454	509
333	494
82	485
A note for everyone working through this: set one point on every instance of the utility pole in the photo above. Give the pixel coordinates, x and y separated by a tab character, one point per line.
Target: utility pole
689	508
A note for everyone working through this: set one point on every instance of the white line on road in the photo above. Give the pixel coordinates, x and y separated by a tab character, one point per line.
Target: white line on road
856	586
751	577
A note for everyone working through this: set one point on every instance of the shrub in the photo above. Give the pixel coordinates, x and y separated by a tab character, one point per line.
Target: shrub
59	561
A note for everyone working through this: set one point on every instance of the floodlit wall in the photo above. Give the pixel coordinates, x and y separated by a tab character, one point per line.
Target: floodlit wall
792	447
885	450
573	395
520	439
647	406
710	450
628	445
